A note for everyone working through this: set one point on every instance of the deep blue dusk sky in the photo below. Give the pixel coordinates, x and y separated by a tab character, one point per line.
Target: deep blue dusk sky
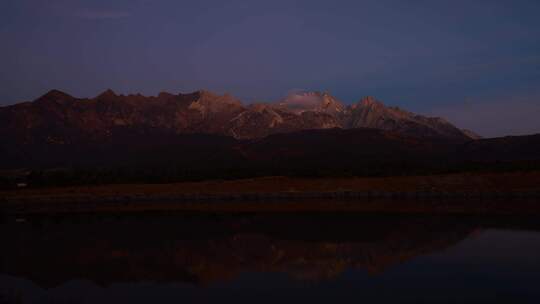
476	63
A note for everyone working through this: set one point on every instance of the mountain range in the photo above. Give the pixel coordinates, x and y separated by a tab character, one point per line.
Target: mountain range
57	117
202	135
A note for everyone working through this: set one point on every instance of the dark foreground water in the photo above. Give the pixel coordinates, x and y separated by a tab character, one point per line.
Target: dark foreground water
330	258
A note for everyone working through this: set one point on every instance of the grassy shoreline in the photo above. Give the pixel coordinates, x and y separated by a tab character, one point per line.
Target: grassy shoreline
293	194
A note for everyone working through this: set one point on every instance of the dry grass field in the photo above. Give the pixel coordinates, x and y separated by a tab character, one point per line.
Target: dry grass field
508	182
281	194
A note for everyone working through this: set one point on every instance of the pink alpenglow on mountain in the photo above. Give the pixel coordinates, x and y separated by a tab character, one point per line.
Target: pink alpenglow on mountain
55	115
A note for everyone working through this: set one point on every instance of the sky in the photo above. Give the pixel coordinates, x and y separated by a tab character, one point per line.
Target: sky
476	63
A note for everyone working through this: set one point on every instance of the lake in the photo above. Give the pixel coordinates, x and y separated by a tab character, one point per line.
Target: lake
165	257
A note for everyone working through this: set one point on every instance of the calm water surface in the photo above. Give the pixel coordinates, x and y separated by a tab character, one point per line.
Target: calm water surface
198	258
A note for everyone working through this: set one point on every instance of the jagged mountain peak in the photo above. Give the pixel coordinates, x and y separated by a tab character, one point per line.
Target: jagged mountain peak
369	101
165	95
55	96
212	97
107	94
207	102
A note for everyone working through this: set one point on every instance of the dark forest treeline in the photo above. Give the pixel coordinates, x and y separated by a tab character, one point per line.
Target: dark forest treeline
171	174
166	158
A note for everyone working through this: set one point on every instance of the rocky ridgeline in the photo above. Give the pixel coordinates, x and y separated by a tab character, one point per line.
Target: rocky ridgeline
57	116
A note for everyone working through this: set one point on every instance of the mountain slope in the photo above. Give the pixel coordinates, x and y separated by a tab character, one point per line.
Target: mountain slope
370	113
150	155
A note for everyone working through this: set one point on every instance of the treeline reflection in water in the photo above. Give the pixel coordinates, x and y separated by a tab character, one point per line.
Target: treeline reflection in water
195	256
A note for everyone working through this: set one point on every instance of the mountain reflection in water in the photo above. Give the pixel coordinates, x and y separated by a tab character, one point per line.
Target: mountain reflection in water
205	250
